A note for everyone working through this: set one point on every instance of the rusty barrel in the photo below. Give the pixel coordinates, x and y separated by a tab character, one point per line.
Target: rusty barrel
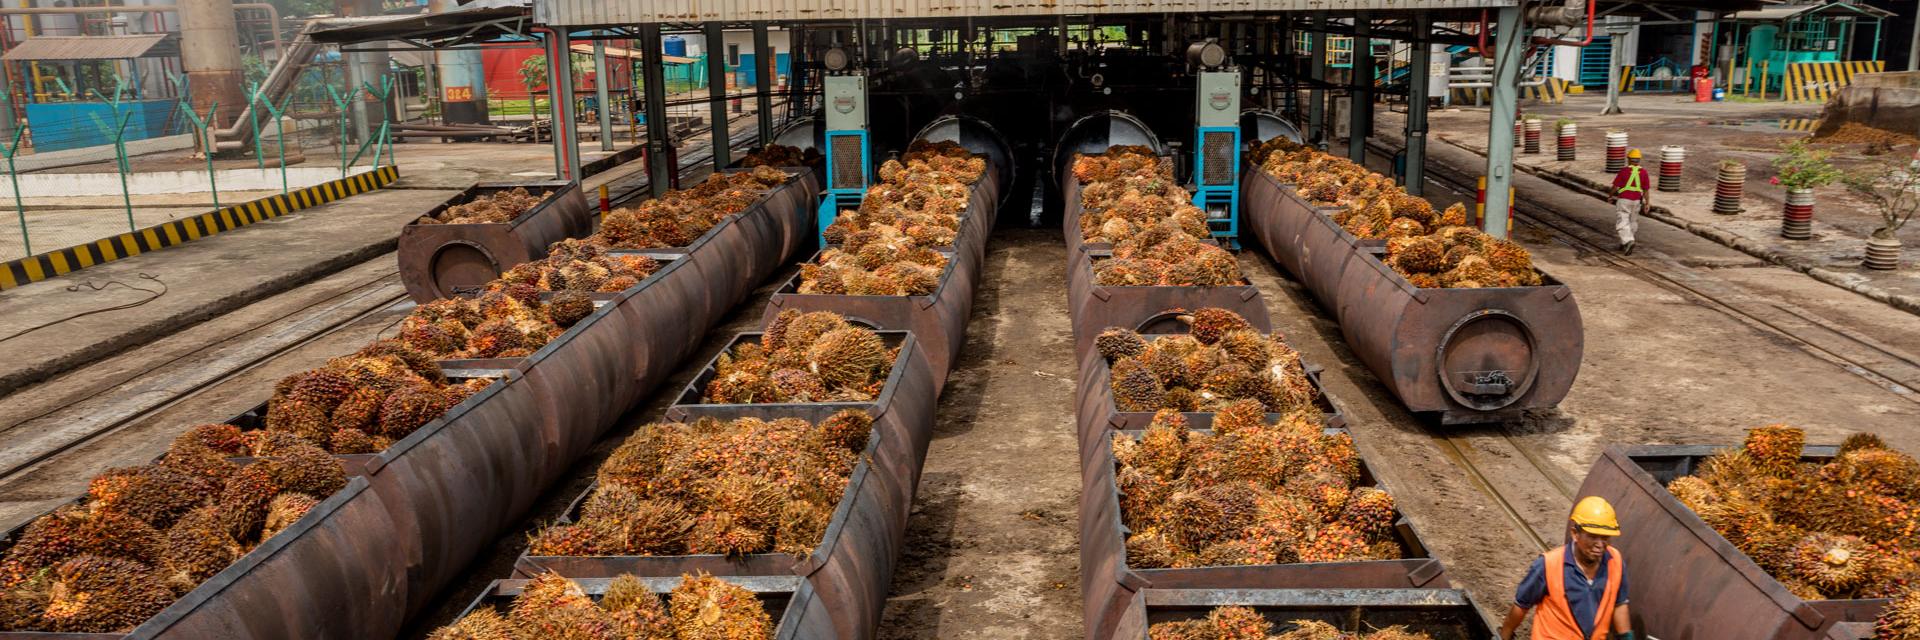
449	260
789	601
1724	593
425	506
851	571
1441	614
1469	355
1109	587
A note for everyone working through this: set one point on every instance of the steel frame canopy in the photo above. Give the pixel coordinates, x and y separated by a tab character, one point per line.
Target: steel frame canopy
474	22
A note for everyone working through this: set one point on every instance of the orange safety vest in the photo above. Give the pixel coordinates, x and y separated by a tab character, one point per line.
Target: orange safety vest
1554	617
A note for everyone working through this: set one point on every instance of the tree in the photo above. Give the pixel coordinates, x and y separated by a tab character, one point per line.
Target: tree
533	76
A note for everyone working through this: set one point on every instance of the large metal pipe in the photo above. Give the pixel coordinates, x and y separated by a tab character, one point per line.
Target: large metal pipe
210	53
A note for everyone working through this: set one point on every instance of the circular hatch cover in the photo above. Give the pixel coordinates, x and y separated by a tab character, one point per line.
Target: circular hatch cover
1487	360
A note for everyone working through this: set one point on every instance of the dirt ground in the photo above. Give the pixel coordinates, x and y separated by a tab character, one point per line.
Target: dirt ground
992	547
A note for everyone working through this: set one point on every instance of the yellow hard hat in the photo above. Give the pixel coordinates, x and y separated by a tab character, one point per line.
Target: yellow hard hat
1594	515
1633	153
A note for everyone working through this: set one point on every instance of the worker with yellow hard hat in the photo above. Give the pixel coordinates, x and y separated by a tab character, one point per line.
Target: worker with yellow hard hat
1580	595
1629	198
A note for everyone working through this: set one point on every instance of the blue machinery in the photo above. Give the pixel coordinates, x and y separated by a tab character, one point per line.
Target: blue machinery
1216	156
849	158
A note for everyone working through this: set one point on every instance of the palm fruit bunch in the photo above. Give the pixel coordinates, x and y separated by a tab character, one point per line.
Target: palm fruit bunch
144	535
681	216
1460	257
920	196
1164	256
1245	623
1248	492
1840	529
716	487
1901	619
1127	190
508	321
363	402
580	266
780	155
1222	360
803	357
945	157
497	207
879	260
1321	630
1325	179
551	607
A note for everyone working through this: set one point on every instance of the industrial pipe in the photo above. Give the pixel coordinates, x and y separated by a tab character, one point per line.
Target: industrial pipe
1568	14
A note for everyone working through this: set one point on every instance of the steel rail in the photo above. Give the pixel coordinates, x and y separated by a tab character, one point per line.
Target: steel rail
14	470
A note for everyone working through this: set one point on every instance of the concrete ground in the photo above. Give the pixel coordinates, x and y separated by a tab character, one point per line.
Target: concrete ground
1747	132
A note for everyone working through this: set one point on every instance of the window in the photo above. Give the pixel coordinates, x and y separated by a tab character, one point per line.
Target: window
733	55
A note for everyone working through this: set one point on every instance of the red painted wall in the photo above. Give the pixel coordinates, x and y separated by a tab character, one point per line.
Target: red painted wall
502	62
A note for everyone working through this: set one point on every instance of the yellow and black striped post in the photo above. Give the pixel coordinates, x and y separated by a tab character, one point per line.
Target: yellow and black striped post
41	266
1816	81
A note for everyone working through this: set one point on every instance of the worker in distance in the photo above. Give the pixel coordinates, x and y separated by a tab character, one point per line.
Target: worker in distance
1629	198
1579	589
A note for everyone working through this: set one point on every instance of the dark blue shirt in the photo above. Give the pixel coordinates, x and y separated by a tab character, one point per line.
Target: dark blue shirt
1583	595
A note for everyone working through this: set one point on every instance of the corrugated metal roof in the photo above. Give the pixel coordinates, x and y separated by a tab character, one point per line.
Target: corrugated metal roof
94	48
473	22
584	13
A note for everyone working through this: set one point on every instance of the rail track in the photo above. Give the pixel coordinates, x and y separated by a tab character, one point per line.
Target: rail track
340	311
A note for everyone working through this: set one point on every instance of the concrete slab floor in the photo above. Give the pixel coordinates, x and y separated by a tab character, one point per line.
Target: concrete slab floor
1750	133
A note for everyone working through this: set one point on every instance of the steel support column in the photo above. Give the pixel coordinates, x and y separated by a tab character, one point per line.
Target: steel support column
763	59
1360	105
1509	47
1418	77
1614	62
660	169
566	132
721	132
1317	96
605	108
